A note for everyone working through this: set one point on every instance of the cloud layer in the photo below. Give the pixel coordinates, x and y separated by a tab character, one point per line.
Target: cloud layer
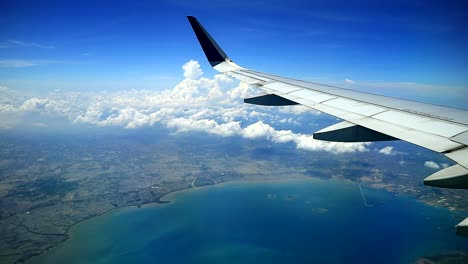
196	104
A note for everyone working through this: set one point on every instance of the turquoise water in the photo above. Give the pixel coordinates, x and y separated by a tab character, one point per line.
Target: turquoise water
309	221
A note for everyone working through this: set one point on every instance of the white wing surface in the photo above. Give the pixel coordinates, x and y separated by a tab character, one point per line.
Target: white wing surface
367	117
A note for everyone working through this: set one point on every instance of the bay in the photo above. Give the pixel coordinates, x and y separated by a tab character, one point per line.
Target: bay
307	221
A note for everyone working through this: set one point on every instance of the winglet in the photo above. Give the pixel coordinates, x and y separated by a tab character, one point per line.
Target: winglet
213	52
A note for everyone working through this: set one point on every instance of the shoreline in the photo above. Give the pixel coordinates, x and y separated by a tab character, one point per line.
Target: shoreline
67	236
171	199
159	201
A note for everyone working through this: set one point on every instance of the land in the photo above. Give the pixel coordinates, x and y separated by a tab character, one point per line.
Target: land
49	183
456	257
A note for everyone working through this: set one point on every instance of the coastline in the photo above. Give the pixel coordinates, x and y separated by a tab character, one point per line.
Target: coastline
171	197
159	202
68	230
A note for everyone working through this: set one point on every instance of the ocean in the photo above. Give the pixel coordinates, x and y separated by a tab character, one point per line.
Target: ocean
306	221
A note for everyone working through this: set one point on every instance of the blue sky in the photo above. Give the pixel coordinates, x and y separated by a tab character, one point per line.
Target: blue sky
113	45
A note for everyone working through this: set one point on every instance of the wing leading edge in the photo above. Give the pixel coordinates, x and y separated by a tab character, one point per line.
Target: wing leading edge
368	117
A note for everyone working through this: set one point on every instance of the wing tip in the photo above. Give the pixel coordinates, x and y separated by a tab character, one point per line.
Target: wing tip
213	51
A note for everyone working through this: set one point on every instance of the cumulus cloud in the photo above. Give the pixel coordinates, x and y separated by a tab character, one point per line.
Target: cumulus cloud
183	124
349	81
387	150
33	104
196	104
192	70
258	130
432	165
306	142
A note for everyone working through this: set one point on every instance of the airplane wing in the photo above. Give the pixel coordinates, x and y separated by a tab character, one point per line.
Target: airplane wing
367	117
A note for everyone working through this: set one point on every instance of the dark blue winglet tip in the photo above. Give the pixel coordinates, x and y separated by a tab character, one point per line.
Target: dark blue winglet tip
213	52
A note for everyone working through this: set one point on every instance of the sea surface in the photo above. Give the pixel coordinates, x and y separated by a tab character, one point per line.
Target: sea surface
308	221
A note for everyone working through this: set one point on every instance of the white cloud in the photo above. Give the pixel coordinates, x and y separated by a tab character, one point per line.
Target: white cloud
20	63
192	70
243	90
258	130
30	44
306	142
349	81
432	165
183	124
387	150
196	104
33	104
17	63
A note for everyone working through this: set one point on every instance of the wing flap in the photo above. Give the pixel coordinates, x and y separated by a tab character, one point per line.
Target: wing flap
340	113
459	156
356	106
313	96
461	138
418	137
281	88
426	124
